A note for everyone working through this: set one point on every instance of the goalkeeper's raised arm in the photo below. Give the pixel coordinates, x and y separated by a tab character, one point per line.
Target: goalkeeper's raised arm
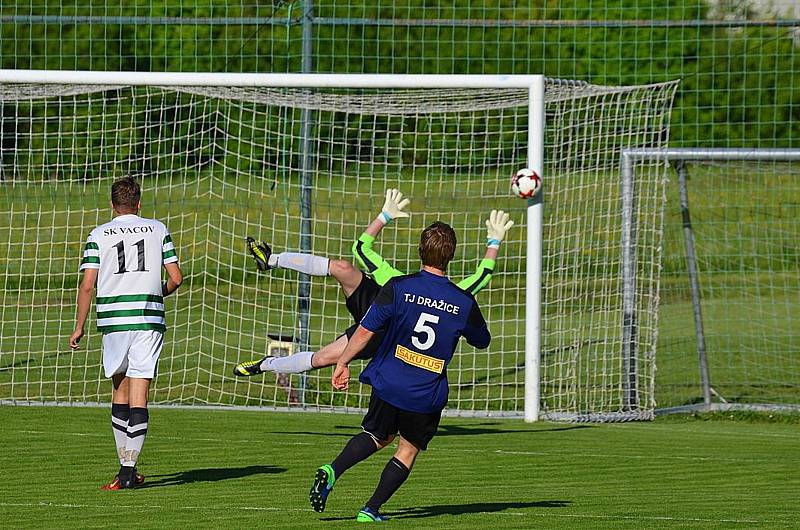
368	259
498	223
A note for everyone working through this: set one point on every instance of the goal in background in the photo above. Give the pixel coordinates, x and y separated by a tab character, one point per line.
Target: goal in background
731	281
224	156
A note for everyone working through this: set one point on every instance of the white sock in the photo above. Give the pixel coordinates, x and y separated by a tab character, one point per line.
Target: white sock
291	364
307	263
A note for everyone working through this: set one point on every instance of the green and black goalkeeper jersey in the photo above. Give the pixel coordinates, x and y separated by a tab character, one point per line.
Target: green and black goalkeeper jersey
382	272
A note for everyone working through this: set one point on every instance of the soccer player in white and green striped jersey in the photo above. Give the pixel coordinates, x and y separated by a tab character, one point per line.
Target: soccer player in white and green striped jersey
123	259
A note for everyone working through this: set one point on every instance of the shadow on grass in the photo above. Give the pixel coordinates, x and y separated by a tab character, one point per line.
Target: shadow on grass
33	361
462	509
444	430
473	507
456	430
208	475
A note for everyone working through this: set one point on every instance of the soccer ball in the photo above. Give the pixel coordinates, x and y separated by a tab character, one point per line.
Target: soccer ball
526	183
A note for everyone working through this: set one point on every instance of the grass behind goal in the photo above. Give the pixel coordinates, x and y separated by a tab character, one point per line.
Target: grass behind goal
249	469
225	310
38	293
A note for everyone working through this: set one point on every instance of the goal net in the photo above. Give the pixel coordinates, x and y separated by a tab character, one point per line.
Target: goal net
731	281
305	169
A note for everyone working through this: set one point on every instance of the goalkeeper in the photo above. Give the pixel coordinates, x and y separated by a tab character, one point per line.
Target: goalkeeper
359	289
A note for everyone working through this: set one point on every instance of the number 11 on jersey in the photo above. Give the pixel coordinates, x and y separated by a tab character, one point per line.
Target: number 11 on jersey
121	257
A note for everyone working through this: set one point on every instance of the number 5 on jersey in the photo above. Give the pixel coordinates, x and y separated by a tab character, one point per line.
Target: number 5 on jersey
422	328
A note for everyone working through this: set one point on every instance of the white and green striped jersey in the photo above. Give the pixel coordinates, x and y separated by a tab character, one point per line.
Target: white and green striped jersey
129	252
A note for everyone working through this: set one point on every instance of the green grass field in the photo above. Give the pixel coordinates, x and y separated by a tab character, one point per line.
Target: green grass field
236	469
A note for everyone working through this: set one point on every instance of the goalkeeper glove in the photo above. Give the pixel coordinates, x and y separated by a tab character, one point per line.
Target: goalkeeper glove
497	225
393	207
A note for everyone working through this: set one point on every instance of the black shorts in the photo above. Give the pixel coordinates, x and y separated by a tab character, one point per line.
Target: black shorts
372	346
358	303
359	300
384	420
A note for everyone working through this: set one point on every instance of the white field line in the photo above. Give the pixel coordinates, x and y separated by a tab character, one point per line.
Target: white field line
678	429
180	438
501	452
116	507
623	456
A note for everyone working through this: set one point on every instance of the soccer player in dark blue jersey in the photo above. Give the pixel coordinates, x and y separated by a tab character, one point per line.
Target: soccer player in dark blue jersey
421	317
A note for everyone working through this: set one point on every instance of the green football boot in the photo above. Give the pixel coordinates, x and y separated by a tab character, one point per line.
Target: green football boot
323	484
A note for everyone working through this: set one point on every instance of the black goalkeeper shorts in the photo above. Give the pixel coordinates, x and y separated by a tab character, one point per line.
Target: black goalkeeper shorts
357	304
372	346
359	300
384	420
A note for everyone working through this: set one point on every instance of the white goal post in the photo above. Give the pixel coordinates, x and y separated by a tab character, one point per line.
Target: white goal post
277	156
732	245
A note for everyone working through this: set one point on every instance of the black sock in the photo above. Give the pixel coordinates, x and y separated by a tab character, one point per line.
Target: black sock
120	411
393	476
125	473
360	447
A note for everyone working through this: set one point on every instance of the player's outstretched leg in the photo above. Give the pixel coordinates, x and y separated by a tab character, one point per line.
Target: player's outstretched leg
366	515
260	252
297	261
248	368
296	363
323	484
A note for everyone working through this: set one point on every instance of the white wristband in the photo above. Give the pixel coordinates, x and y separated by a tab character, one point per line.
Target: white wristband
493	243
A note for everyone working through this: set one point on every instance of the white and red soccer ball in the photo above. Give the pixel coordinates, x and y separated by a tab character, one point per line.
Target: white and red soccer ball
526	183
